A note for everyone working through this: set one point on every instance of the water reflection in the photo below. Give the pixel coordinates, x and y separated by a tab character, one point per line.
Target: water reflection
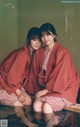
66	118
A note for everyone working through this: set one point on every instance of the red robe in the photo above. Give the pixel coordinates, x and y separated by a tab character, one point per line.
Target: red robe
61	78
14	69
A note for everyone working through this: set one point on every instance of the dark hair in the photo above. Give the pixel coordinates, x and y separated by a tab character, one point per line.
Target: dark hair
48	27
32	34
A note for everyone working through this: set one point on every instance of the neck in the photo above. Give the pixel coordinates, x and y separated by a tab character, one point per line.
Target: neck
49	47
31	50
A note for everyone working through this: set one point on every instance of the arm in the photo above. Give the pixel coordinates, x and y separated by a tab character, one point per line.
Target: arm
41	93
12	70
32	85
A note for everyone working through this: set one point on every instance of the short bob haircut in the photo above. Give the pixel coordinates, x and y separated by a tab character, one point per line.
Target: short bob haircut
32	34
48	27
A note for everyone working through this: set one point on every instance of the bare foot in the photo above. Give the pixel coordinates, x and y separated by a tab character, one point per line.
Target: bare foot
28	123
29	116
56	120
53	121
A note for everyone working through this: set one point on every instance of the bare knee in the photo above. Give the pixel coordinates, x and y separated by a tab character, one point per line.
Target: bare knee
47	108
37	106
18	104
28	100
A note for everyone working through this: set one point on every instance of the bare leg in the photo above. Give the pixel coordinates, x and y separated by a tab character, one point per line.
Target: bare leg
28	112
49	116
28	106
38	115
51	119
38	110
20	113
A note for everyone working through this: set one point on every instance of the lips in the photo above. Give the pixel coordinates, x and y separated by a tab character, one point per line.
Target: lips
36	46
45	41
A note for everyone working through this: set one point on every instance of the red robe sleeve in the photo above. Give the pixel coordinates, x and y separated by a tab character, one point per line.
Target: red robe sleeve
12	70
63	75
33	85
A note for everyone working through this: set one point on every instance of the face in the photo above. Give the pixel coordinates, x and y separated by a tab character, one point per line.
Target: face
48	38
35	43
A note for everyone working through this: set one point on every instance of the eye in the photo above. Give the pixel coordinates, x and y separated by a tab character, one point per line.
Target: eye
34	39
48	34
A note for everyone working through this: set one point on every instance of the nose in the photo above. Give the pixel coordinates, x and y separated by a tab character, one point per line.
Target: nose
45	37
37	42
